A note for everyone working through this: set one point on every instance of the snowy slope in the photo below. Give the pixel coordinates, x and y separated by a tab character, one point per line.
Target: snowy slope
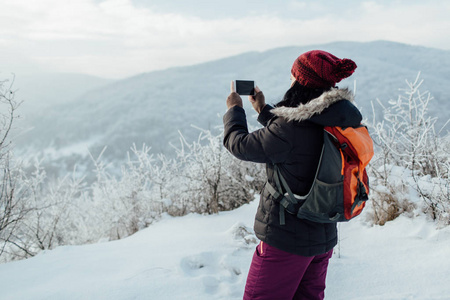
207	257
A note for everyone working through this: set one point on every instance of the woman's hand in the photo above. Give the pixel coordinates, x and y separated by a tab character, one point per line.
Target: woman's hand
258	101
234	98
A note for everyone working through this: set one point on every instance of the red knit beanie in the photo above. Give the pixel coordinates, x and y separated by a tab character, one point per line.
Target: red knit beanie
320	69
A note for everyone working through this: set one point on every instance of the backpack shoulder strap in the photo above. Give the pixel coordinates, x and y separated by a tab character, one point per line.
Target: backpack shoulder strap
288	202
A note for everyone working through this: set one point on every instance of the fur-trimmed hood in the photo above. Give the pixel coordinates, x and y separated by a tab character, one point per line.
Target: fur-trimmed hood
316	106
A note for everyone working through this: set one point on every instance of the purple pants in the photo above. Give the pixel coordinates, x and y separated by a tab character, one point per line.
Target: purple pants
278	275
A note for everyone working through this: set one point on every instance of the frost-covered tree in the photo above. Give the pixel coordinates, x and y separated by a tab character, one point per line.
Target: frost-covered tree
410	154
12	208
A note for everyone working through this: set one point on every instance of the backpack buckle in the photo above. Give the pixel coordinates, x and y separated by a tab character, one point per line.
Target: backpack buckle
288	206
362	193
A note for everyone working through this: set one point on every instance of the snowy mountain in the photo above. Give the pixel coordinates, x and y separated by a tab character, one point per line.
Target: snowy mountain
208	257
150	108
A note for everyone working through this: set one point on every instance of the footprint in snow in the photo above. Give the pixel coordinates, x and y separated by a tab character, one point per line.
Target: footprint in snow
214	270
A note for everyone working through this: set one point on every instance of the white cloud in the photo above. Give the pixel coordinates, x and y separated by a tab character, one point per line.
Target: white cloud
298	4
115	38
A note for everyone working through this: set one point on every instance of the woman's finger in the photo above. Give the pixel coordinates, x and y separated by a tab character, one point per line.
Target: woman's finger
233	89
257	90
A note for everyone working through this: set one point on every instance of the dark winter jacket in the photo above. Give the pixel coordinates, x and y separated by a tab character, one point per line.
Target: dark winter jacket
292	137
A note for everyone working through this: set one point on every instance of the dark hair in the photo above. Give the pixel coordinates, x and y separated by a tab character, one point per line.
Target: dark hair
299	94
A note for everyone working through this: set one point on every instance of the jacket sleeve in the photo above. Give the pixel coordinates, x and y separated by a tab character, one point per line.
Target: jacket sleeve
266	145
265	115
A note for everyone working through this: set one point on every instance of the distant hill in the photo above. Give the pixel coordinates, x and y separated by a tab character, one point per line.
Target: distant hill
44	91
150	108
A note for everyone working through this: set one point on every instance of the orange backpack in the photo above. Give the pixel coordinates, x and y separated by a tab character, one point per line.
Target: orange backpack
341	185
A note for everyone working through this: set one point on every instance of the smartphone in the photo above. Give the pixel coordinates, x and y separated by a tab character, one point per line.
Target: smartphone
245	87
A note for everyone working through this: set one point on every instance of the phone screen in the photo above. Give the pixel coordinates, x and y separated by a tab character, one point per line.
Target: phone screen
245	87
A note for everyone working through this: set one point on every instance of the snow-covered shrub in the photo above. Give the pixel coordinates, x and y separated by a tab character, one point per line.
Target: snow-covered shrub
210	179
53	216
124	205
203	178
406	138
390	193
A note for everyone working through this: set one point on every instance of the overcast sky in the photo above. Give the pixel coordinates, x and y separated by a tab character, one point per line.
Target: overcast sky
120	38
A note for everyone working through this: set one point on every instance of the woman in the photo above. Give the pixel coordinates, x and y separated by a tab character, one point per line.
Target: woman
291	260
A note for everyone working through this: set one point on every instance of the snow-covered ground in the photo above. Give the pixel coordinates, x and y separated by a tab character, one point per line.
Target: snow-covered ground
207	257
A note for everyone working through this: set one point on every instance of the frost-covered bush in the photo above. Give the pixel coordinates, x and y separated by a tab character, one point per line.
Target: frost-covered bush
390	193
211	179
406	139
203	178
54	213
125	204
